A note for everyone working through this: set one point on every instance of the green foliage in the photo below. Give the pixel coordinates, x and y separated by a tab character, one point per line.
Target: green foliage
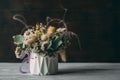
55	43
18	39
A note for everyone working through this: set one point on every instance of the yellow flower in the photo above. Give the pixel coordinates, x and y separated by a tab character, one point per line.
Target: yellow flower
51	30
37	26
38	32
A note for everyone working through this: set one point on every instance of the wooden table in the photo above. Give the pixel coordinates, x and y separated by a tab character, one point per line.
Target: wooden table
67	71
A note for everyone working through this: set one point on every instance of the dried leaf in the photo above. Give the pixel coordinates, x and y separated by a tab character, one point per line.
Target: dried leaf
63	55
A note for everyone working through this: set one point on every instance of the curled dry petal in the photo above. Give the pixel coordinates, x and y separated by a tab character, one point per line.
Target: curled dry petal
62	55
61	29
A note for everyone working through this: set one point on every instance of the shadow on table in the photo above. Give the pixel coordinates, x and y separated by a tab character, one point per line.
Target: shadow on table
80	71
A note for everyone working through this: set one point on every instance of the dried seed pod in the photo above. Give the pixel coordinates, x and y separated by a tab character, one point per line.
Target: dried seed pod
27	33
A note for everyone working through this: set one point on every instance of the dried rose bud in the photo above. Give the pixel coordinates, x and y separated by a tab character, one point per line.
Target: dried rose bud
28	42
31	40
44	37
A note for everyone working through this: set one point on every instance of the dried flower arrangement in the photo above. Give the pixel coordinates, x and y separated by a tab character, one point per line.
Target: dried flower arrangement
44	39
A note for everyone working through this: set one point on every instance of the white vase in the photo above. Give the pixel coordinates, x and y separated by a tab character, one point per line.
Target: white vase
43	65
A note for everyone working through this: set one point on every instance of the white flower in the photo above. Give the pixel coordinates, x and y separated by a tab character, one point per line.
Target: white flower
27	35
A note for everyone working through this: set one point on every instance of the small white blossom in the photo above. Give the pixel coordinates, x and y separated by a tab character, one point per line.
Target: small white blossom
30	33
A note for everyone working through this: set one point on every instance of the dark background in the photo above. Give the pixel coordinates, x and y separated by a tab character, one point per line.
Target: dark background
95	21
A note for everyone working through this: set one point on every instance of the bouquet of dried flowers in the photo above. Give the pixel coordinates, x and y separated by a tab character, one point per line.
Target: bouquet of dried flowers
44	39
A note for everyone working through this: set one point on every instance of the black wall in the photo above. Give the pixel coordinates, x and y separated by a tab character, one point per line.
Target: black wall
95	21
